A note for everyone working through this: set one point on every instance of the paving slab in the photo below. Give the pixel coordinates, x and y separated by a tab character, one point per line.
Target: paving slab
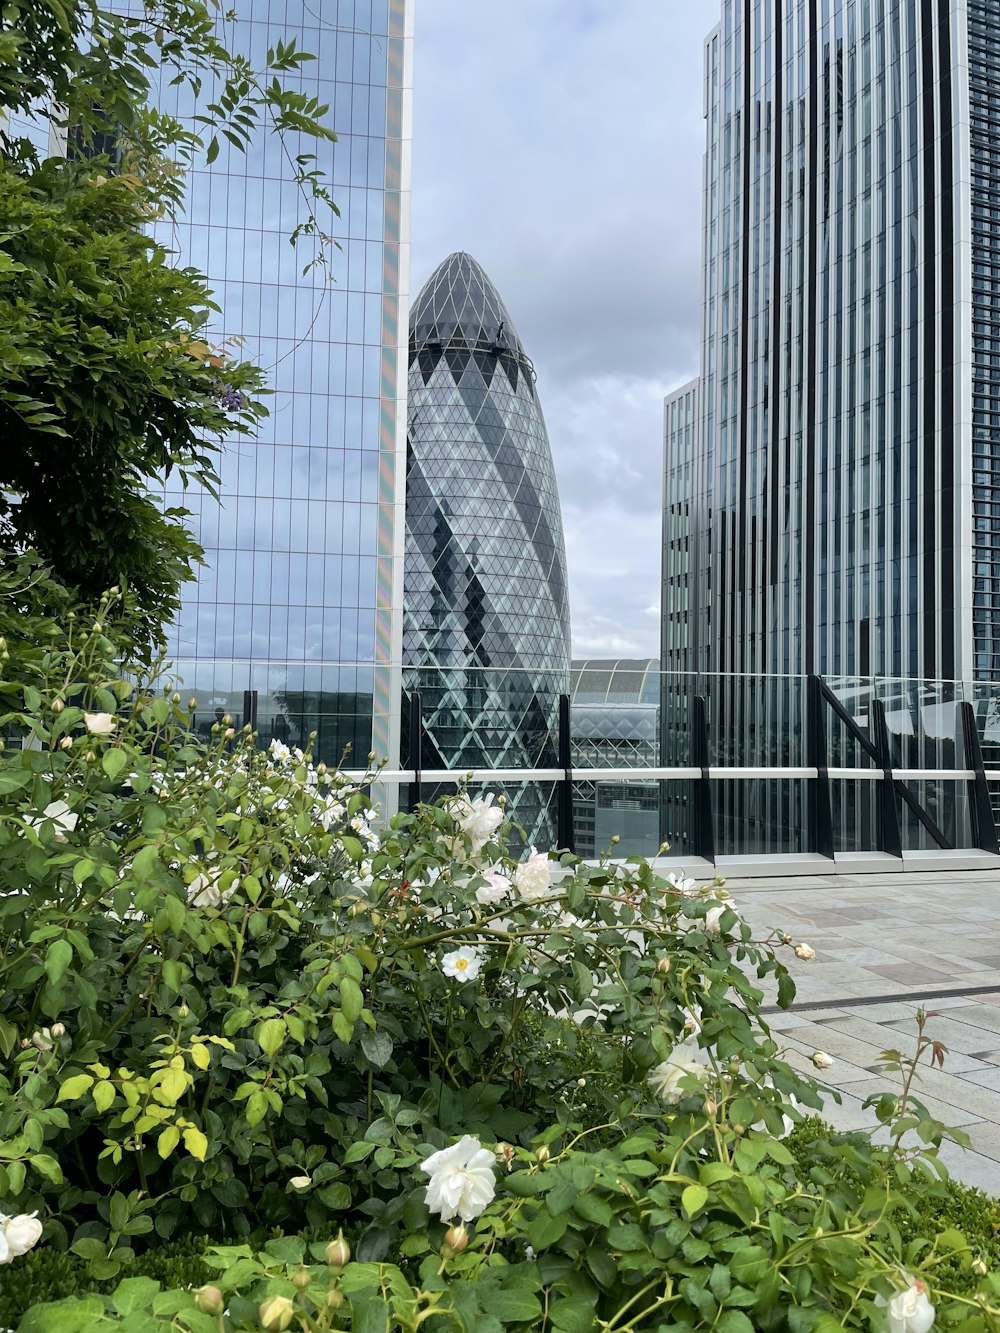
888	945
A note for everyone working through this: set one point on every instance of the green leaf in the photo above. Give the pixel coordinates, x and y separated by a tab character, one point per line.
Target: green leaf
571	1314
351	999
352	846
561	1198
545	1230
693	1199
357	1152
196	1143
168	1141
256	1108
735	1321
369	1314
377	1047
134	1294
8	1036
58	957
270	1035
113	761
103	1094
48	1167
74	1087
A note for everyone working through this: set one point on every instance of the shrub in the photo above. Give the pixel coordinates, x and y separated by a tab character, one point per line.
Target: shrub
229	1006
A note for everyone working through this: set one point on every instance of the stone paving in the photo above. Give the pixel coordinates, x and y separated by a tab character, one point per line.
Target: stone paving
887	945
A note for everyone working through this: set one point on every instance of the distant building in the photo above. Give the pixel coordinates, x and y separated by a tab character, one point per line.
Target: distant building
846	472
682	575
486	612
841	513
298	610
614	711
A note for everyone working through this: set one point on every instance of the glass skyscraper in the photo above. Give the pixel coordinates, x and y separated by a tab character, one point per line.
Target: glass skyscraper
298	607
842	503
486	613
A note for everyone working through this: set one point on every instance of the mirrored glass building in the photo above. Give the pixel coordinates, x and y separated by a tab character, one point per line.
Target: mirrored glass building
294	622
486	613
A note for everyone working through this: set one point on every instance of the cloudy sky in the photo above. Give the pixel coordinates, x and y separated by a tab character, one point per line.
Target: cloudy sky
560	142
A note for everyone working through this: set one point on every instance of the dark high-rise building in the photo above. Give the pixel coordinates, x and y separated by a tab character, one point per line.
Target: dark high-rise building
842	511
486	614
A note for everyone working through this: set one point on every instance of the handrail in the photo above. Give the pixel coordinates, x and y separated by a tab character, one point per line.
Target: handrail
678	774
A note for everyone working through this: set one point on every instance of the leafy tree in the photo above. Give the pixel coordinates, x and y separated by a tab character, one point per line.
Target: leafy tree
107	380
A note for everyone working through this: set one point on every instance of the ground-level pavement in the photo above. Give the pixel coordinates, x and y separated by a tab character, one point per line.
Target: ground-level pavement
886	946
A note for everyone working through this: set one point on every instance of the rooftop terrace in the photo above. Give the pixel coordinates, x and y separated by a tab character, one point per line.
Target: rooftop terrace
886	946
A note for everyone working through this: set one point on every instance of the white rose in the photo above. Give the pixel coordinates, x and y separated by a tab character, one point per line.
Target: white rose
495	890
462	1180
909	1311
464	964
714	915
533	879
803	951
680	884
100	724
62	818
204	891
19	1235
821	1060
478	819
684	1061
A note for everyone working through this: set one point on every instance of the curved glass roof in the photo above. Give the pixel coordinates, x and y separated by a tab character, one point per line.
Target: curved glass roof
458	303
616	680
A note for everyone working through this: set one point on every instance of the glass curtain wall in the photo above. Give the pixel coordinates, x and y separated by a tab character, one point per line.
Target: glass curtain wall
297	598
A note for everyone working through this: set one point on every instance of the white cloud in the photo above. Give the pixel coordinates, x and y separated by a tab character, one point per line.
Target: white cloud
560	142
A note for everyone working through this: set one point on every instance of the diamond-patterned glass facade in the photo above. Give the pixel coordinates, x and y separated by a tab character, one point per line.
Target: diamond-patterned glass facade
485	607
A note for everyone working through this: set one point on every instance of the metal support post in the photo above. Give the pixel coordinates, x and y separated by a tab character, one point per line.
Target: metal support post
704	835
416	747
820	804
250	709
984	829
564	793
889	839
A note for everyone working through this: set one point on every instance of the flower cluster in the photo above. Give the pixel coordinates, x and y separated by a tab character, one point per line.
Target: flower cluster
477	820
229	398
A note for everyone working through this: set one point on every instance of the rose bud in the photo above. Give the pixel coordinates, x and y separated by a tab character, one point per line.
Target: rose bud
456	1239
276	1314
804	951
209	1300
338	1252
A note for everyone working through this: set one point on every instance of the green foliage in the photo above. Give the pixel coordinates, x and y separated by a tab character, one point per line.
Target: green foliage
228	1006
108	383
105	383
45	1275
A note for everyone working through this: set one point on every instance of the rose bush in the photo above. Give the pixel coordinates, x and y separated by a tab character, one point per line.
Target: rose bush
530	1091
